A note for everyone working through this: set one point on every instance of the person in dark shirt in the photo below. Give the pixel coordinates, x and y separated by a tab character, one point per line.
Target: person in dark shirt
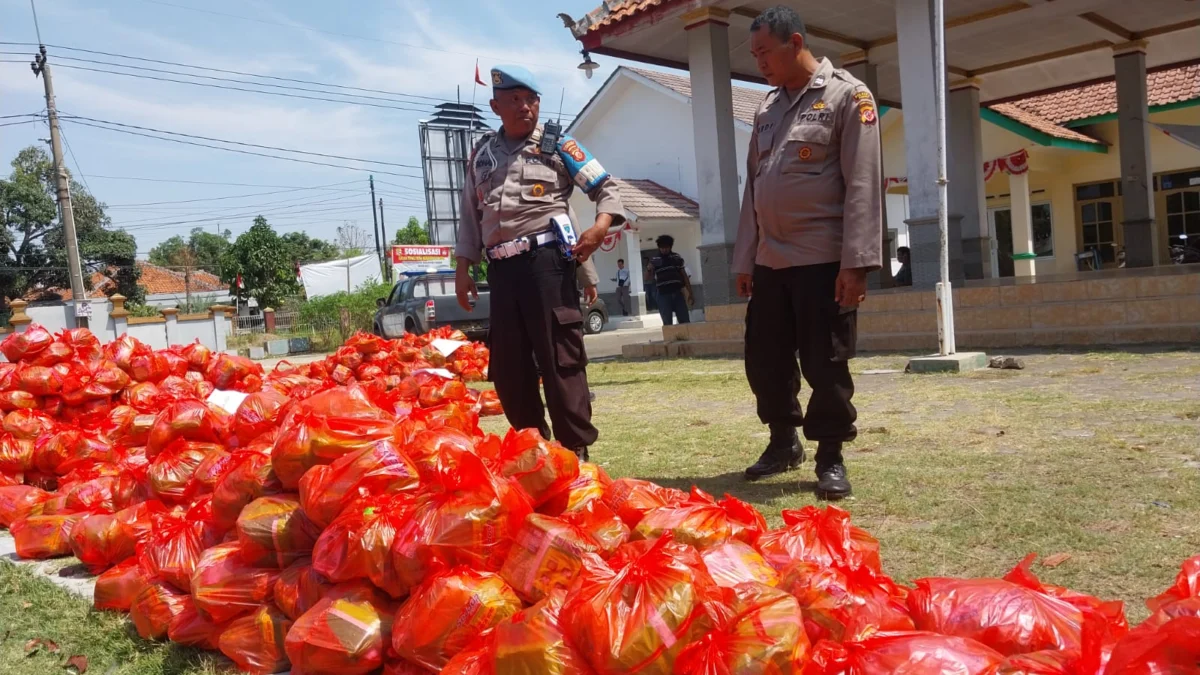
671	281
904	276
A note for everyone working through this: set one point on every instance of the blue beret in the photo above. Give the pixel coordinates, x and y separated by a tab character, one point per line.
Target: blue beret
512	77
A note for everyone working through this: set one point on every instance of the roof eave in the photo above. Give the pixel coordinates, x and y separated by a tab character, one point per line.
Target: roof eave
1040	137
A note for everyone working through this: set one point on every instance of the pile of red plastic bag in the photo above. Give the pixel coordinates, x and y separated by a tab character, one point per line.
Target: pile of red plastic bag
350	517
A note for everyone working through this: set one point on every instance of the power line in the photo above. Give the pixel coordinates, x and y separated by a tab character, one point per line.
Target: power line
256	208
250	214
239	143
13	124
202	182
78	168
213	199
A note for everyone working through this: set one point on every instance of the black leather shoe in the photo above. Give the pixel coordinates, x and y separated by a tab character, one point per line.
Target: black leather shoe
783	453
832	483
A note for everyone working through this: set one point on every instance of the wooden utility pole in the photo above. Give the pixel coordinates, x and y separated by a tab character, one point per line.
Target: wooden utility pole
74	267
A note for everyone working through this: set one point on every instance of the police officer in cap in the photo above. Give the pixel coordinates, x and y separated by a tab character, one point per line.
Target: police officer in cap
516	193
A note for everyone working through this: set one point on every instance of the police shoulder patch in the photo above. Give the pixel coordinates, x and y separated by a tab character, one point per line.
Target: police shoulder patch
862	95
866	112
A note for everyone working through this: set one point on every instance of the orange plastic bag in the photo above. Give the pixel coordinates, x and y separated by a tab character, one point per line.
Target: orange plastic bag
1187	585
93	381
588	486
104	494
209	472
380	468
489	403
845	604
345	633
325	427
38	537
154	607
635	613
274	532
226	371
541	467
599	522
172	469
28	424
225	587
40	380
1171	649
175	545
197	356
259	412
823	536
21	346
530	641
117	586
255	643
447	611
82	343
631	498
736	562
19	501
547	554
299	587
250	476
759	630
69	447
19	400
703	522
101	541
359	544
1041	663
903	653
190	420
191	628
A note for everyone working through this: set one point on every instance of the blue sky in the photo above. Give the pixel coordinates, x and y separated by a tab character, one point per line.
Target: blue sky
425	48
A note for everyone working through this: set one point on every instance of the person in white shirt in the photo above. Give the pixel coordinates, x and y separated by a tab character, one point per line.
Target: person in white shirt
622	280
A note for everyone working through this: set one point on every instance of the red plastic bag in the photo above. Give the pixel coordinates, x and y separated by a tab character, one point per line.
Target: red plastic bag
28	424
1041	663
541	467
703	522
638	611
590	485
631	498
1187	585
172	470
225	587
19	501
117	587
600	523
274	532
19	400
105	494
69	447
38	537
547	554
823	536
759	630
1172	649
255	643
85	346
191	628
208	472
903	653
148	366
197	356
190	420
380	468
226	371
259	412
26	345
323	428
122	350
443	615
299	587
359	544
93	381
174	387
101	541
16	454
40	380
489	403
736	562
175	546
345	633
251	476
155	606
530	641
845	604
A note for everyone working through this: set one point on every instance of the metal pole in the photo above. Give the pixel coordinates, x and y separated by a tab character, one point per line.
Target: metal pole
67	213
945	293
387	268
375	224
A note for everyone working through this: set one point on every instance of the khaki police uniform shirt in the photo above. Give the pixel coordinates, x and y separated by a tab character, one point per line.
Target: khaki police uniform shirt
814	185
513	190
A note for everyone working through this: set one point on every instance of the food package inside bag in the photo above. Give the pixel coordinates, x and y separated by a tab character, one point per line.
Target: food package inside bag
225	587
255	643
632	498
547	554
27	345
101	541
16	454
823	536
274	532
325	427
249	477
117	586
28	424
258	413
543	468
638	610
841	604
155	605
346	633
736	562
359	544
172	469
191	628
759	629
208	473
588	486
227	371
599	522
104	494
40	380
703	522
176	543
190	420
381	468
1172	648
1041	663
428	447
911	653
442	616
532	641
299	587
19	501
39	537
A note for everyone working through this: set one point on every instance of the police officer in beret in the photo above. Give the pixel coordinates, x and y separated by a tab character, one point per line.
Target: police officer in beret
514	200
810	231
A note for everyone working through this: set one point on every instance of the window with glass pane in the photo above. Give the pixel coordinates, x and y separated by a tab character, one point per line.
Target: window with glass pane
1183	217
1043	231
1094	191
1096	223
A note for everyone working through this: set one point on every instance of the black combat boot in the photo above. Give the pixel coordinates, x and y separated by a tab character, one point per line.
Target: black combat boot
783	453
832	483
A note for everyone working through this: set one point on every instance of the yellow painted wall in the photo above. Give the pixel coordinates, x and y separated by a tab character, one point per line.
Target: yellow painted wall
1055	172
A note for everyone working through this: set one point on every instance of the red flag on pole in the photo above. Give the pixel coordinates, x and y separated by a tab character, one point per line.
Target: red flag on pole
240	284
478	80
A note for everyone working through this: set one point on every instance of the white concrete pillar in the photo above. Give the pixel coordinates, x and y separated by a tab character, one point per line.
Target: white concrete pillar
172	325
968	196
868	74
914	22
633	263
220	339
1022	226
716	151
119	315
1137	178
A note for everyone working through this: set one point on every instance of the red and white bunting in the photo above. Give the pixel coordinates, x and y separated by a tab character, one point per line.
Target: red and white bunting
1015	164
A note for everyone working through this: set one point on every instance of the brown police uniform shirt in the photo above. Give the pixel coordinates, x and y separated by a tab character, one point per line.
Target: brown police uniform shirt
814	186
513	190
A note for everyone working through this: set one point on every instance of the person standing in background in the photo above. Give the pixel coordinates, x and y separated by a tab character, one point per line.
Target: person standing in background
622	280
671	281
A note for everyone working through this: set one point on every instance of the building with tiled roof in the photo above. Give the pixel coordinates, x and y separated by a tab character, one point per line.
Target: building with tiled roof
164	287
639	125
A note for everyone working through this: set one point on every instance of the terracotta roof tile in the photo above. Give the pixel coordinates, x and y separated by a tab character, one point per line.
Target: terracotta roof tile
1042	124
155	280
621	10
648	199
1163	87
745	100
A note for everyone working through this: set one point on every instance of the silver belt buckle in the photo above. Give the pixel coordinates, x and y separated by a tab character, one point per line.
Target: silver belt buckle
510	249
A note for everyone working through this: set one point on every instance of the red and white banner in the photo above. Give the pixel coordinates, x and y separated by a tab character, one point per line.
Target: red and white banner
420	258
1015	164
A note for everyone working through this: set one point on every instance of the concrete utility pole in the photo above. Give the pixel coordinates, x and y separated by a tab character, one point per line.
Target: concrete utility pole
387	256
75	269
375	225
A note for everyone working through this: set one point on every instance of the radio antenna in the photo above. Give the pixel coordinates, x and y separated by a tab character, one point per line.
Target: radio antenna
560	104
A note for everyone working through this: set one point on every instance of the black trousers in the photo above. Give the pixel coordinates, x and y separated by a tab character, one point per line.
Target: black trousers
536	314
792	311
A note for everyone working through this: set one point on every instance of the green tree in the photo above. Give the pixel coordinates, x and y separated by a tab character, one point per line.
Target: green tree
304	249
262	260
414	234
201	250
